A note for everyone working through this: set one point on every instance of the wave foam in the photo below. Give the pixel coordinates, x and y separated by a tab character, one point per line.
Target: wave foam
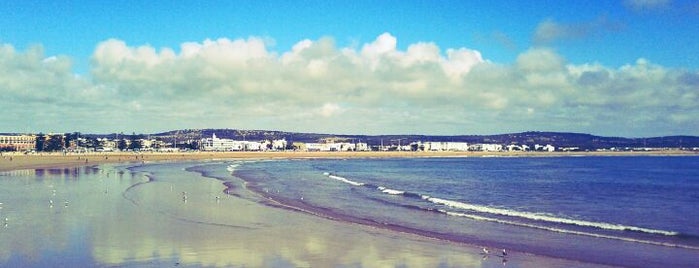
231	167
545	218
345	180
559	230
390	191
513	213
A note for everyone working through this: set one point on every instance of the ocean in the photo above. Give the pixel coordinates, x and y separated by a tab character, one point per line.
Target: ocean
391	212
625	211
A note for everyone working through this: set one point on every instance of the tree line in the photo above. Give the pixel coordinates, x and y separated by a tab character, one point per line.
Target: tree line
62	142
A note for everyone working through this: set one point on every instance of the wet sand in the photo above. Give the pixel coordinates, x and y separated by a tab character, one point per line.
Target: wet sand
123	217
228	231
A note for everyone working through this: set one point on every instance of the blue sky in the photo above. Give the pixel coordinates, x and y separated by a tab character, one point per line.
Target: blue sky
625	68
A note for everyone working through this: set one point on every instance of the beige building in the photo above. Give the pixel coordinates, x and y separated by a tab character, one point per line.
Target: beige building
17	142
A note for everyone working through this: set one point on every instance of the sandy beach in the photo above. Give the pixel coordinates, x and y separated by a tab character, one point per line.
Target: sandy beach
14	161
224	229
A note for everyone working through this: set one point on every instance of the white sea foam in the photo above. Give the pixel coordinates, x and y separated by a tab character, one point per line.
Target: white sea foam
345	180
232	167
545	218
559	230
390	191
518	214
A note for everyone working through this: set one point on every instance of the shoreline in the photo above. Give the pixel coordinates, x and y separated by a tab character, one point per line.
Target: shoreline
469	247
18	161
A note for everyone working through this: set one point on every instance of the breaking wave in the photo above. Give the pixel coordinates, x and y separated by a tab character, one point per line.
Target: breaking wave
491	214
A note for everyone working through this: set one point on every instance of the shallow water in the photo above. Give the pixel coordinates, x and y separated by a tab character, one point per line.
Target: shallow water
113	215
626	211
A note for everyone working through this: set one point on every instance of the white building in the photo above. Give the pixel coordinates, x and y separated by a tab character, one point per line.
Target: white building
515	147
279	145
216	144
444	146
362	146
486	147
107	144
547	147
331	147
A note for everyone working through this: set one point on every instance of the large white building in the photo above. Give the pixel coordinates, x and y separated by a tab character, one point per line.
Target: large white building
217	144
546	148
331	147
443	146
486	147
279	145
334	146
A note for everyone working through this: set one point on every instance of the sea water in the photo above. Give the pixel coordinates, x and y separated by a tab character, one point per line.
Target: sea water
192	214
627	211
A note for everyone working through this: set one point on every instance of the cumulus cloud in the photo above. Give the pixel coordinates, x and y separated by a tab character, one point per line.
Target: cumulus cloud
317	86
38	90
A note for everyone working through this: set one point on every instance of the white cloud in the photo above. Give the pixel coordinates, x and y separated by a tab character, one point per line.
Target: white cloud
319	87
384	44
329	109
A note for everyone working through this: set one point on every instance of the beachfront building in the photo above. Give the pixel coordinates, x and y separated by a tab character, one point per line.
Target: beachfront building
575	149
546	148
17	142
486	147
217	144
227	145
107	145
279	145
436	146
362	146
154	145
516	147
331	147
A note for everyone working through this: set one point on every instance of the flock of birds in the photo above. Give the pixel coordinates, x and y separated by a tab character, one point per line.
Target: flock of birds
7	220
485	250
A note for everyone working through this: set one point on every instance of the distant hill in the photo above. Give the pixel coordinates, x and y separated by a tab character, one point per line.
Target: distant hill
558	139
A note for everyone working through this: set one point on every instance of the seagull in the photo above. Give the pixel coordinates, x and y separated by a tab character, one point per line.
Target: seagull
504	252
485	251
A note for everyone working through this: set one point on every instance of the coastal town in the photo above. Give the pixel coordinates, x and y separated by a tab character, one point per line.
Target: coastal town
76	142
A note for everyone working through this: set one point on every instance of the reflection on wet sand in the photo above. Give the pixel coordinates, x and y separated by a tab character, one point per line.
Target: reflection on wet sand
142	220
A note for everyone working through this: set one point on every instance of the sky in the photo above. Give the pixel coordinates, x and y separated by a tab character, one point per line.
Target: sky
625	68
